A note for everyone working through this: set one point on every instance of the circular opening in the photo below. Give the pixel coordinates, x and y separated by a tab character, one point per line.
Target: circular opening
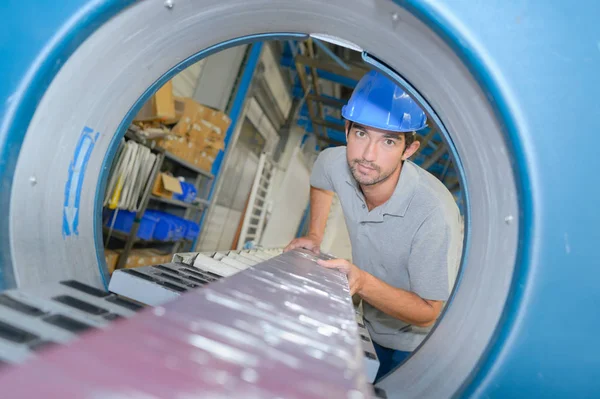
439	78
314	113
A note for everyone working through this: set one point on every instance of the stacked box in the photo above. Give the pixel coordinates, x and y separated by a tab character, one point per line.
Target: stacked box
146	257
160	107
111	257
199	135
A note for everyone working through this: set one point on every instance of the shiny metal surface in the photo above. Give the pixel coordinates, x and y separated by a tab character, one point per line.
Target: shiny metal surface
284	328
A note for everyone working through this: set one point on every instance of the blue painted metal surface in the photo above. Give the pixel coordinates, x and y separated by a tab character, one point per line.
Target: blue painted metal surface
555	285
74	183
331	54
34	60
47	36
547	343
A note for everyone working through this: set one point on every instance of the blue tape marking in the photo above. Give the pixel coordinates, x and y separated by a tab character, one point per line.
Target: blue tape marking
84	149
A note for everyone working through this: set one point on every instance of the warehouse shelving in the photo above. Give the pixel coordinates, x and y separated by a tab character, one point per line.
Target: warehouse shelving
119	235
201	205
188	165
202	180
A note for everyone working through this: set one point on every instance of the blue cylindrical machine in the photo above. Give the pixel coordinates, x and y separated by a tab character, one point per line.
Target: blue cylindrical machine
512	83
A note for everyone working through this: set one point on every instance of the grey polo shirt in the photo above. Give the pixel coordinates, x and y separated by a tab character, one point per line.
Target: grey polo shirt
412	242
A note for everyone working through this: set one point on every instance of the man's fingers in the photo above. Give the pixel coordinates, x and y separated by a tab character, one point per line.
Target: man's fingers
352	289
292	245
333	263
326	263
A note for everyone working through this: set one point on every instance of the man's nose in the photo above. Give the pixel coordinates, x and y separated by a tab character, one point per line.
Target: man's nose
370	152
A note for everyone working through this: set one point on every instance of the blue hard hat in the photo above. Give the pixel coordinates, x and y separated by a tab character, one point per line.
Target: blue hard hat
380	103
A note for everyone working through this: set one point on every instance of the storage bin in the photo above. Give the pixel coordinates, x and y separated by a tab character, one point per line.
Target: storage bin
188	194
124	222
192	231
168	227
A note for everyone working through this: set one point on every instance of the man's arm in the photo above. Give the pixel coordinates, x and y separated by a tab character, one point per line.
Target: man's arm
320	204
396	302
427	267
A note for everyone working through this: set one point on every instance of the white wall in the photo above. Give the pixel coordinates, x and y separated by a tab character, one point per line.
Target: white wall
290	201
185	82
217	77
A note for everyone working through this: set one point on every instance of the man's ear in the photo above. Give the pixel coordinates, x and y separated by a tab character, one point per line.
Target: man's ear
411	149
348	125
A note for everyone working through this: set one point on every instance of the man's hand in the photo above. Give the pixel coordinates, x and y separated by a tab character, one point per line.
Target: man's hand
309	242
356	277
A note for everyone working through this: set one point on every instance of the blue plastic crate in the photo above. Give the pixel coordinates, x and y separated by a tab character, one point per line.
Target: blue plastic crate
147	226
124	222
168	227
192	231
188	194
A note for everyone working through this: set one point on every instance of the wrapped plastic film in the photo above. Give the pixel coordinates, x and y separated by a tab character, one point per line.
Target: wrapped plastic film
282	328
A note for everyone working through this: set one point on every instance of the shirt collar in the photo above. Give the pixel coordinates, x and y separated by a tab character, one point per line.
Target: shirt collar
398	203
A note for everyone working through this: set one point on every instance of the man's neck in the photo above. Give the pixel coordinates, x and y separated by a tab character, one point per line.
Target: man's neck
378	194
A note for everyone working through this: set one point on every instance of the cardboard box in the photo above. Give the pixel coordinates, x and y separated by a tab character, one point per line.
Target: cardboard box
203	161
192	112
208	151
220	120
179	105
184	151
198	132
158	257
111	257
165	103
161	106
142	257
165	186
213	132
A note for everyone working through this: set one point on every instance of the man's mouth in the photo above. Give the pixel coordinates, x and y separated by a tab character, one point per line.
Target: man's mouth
365	166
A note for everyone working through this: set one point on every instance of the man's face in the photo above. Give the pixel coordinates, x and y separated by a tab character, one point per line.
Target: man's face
375	154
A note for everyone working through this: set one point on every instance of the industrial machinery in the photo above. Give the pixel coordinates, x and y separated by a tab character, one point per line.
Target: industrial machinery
238	331
511	85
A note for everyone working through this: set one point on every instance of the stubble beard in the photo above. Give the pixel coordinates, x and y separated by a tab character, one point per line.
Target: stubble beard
366	181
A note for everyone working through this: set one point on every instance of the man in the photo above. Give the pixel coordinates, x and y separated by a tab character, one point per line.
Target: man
403	223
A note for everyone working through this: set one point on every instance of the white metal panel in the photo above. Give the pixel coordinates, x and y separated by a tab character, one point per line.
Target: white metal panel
275	81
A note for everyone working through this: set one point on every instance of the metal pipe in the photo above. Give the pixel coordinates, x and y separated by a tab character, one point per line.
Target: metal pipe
331	54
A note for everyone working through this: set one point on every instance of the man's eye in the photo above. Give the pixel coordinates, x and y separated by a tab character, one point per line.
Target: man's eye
360	134
390	142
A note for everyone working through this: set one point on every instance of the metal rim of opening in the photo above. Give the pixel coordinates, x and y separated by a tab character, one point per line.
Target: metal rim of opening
100	67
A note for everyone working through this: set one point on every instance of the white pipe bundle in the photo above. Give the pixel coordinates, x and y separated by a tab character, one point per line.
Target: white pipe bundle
129	176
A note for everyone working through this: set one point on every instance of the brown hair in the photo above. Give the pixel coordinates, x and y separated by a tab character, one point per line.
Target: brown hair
409	138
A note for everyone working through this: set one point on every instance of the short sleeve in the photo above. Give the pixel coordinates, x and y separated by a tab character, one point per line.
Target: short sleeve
429	258
322	169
